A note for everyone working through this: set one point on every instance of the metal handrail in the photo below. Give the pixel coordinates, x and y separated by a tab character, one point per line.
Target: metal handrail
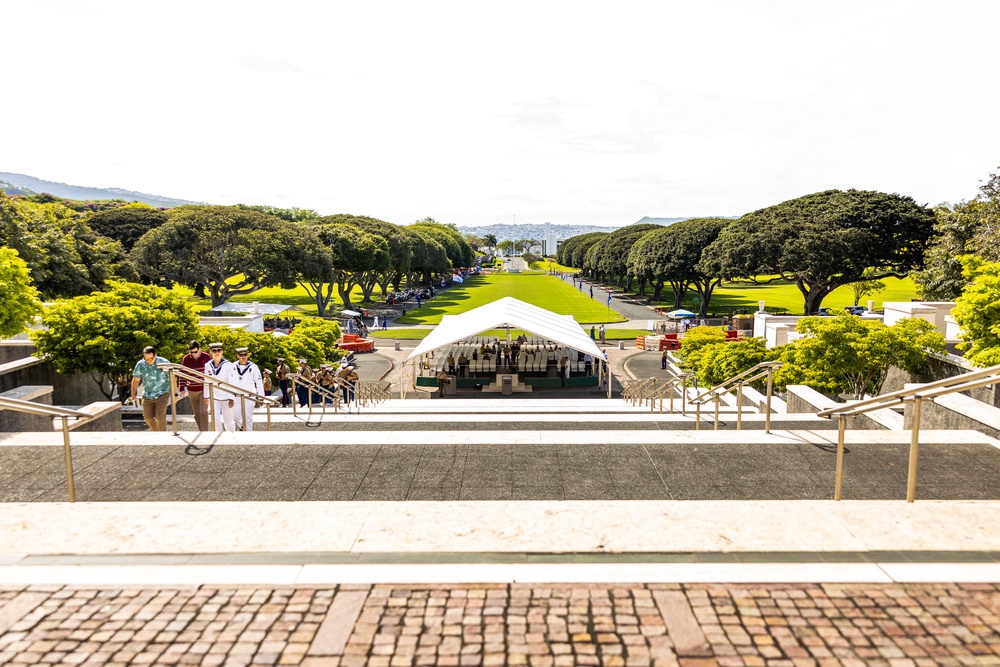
197	377
763	369
313	387
63	414
636	391
671	385
953	385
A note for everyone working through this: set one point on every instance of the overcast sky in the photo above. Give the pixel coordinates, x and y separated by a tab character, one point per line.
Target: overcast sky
473	113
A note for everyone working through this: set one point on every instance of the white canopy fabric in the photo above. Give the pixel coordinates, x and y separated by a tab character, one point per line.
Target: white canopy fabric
508	311
350	313
262	308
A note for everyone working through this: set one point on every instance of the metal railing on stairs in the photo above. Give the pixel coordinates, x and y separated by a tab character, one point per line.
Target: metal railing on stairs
327	395
177	371
673	386
966	382
63	414
761	370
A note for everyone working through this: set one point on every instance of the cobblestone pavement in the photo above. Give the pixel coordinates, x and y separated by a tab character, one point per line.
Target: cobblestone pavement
664	624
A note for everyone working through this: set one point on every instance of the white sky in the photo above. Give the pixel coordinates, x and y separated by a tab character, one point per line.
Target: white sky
472	112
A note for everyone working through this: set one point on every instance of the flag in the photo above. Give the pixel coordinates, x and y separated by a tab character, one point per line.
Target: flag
609	299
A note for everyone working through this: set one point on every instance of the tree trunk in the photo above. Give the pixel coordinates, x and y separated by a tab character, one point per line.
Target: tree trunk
813	295
218	297
657	288
199	291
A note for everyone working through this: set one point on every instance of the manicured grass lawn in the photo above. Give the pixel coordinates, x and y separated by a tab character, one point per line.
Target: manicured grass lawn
787	298
547	265
544	291
400	334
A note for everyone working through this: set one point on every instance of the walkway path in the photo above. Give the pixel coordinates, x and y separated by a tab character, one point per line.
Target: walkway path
519	624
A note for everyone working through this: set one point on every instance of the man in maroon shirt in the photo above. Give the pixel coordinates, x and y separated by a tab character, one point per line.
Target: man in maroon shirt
195	360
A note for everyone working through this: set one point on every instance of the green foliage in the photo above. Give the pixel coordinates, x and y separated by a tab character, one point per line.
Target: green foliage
66	258
846	354
695	342
290	214
673	255
863	288
18	299
313	339
228	249
609	256
127	224
720	361
824	240
968	228
977	311
573	251
103	333
458	250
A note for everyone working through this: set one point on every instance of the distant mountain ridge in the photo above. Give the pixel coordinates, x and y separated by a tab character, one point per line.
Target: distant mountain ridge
22	182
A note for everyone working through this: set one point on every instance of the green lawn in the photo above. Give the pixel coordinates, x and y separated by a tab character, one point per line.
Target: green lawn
786	297
544	291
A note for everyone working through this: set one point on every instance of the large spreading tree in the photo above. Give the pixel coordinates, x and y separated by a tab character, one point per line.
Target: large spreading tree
825	240
230	250
673	255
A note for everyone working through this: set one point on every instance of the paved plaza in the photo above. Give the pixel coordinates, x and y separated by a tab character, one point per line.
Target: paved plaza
898	625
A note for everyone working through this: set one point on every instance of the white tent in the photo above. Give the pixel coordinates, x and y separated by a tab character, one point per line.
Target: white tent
509	312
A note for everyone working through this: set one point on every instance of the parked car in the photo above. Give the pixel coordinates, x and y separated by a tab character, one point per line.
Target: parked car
856	310
824	311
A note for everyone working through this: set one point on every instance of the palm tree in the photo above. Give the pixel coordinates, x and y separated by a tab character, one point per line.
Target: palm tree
490	240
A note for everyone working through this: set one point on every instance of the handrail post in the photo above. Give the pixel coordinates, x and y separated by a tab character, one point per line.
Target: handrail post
173	398
697	419
295	399
739	406
69	460
716	413
770	391
684	396
911	476
839	479
211	404
268	404
243	412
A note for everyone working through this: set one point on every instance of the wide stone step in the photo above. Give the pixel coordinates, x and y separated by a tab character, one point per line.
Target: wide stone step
495	466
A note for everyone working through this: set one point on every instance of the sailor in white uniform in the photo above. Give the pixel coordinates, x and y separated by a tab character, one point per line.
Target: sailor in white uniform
245	375
222	402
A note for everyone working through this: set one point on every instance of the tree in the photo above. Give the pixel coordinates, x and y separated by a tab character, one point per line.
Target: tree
573	250
490	240
290	214
126	224
968	228
66	258
673	254
505	246
351	253
825	240
18	299
384	265
721	361
459	251
849	355
863	288
228	249
103	333
977	311
610	255
695	342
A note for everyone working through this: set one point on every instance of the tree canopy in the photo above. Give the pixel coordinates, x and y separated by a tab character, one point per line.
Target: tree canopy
228	249
977	311
673	254
64	255
849	355
103	333
824	240
609	256
18	298
126	224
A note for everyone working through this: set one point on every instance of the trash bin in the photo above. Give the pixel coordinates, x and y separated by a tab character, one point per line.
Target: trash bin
507	385
621	345
397	346
449	389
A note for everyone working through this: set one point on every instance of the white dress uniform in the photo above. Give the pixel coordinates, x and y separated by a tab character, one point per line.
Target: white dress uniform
220	397
248	378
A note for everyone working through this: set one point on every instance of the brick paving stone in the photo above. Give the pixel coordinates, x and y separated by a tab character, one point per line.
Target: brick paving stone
548	626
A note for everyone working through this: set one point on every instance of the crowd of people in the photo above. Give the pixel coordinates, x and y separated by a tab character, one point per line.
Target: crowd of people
230	410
